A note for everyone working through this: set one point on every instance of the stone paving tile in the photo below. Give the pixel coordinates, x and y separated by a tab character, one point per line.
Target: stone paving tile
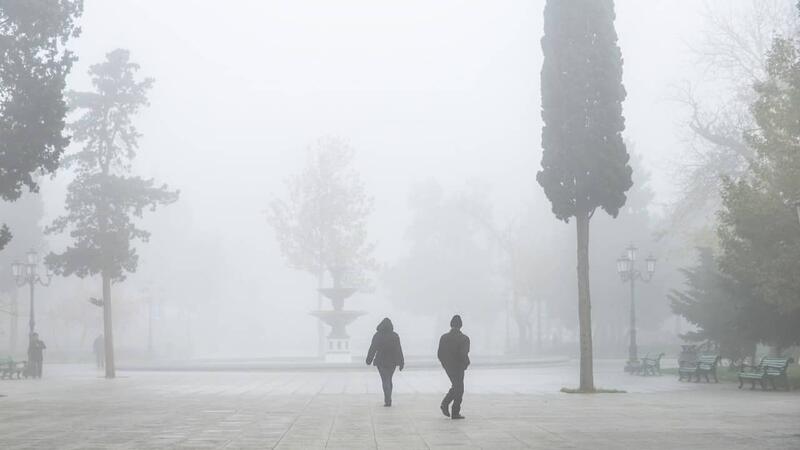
77	410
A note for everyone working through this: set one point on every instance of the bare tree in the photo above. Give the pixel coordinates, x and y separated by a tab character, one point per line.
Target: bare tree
731	55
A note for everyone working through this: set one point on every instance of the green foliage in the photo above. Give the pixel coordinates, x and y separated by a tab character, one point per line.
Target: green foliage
759	231
719	307
585	162
5	236
322	226
104	200
33	69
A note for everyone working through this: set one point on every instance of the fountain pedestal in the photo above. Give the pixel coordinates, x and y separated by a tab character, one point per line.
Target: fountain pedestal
337	345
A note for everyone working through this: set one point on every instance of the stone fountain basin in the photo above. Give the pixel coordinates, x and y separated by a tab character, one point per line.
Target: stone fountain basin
337	318
337	296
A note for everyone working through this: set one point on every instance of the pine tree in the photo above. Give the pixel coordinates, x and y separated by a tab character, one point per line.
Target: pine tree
585	161
721	308
104	199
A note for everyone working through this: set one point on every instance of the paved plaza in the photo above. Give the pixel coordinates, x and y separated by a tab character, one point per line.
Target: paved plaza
74	408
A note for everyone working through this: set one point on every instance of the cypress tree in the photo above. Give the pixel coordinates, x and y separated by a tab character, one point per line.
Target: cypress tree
584	160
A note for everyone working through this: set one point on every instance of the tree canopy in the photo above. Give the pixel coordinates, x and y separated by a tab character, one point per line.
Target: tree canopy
720	308
104	200
759	231
33	68
585	161
322	225
754	295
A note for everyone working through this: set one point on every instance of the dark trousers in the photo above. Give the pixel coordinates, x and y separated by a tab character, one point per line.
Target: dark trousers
386	379
456	392
101	360
36	368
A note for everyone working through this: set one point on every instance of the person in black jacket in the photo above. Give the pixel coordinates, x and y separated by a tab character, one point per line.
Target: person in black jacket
454	356
386	353
35	355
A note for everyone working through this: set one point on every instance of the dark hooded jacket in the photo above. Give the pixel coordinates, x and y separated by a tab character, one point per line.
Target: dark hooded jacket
385	350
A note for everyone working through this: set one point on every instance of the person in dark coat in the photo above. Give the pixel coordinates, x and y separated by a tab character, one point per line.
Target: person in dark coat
36	355
454	356
387	354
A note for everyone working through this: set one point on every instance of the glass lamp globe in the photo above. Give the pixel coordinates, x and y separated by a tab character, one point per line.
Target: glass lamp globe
32	257
651	264
631	251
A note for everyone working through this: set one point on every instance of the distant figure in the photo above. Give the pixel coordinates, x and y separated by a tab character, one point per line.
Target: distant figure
454	356
36	355
386	353
99	347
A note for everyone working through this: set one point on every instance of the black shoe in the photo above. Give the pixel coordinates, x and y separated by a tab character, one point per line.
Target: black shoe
387	404
458	416
445	409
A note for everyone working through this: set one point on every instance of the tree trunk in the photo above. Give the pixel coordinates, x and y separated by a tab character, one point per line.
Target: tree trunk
107	330
522	342
320	328
13	325
539	325
584	304
509	305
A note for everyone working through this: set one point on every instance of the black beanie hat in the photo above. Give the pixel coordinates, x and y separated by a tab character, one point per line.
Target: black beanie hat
455	322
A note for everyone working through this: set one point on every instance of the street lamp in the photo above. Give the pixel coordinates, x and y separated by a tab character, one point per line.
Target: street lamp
626	268
26	273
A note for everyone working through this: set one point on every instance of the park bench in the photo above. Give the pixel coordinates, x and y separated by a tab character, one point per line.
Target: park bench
651	366
9	368
768	370
704	366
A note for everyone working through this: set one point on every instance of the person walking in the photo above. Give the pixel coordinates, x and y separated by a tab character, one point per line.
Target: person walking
454	356
387	354
99	348
36	355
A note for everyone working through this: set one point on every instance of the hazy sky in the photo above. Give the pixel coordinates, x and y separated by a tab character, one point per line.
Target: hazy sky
422	89
445	89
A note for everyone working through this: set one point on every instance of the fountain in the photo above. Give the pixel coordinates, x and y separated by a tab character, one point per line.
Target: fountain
337	348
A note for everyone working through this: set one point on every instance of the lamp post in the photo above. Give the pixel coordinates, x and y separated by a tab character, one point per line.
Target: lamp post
26	273
626	268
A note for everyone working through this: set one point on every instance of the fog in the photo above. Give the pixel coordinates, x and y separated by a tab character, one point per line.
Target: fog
430	95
